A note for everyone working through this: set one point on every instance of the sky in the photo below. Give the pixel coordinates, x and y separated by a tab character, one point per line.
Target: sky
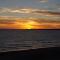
12	12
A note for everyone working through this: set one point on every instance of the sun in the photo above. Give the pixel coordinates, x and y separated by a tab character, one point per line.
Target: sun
29	25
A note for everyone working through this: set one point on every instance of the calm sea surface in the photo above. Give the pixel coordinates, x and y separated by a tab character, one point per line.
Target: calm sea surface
11	39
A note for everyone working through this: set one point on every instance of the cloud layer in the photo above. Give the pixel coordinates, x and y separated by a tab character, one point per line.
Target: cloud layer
29	11
28	24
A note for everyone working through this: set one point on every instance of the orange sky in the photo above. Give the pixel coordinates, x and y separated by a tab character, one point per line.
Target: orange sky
28	24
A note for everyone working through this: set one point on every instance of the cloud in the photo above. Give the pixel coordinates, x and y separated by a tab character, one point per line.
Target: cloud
48	12
7	19
7	22
43	1
29	11
2	10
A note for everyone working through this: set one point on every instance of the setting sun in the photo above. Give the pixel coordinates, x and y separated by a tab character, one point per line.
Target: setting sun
29	25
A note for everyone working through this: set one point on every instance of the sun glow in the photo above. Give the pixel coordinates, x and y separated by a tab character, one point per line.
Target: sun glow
29	25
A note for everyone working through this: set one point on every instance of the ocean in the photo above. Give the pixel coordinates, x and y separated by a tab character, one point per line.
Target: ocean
15	39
